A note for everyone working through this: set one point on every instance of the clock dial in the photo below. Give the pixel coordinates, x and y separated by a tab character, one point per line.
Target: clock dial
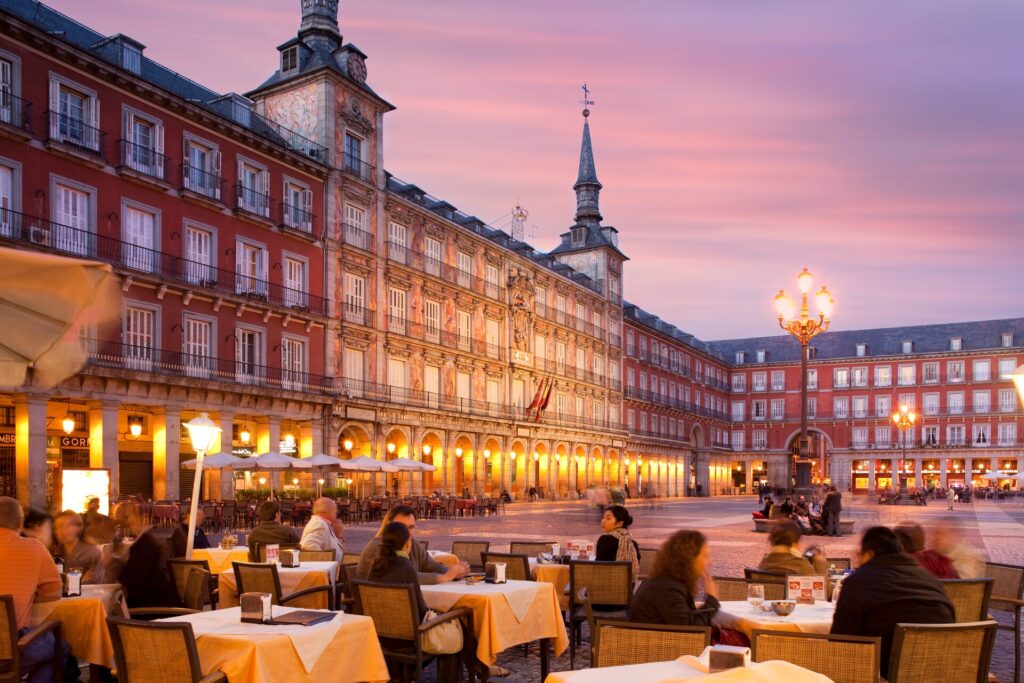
357	68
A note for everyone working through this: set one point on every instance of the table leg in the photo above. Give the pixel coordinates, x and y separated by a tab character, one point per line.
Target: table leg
545	657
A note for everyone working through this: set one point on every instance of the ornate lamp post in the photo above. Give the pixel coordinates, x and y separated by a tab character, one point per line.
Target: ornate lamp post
904	420
201	433
804	329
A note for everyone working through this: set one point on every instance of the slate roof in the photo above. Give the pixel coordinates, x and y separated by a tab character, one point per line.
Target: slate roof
632	312
588	170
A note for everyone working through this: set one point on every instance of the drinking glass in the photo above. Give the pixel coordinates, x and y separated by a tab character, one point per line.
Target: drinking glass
755	595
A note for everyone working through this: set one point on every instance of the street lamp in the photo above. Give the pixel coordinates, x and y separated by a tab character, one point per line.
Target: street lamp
804	328
904	420
201	433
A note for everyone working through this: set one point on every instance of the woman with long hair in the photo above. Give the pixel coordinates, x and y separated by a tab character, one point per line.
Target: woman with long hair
615	544
667	596
392	564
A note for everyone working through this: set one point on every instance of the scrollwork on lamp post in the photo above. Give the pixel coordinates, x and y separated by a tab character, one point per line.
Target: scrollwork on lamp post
804	328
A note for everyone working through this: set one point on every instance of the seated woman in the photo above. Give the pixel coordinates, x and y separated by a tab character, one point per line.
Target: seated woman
667	596
615	544
75	552
145	577
38	524
392	563
784	557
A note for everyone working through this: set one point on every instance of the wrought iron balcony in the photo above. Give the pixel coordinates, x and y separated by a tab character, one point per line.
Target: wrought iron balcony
76	134
202	183
353	165
111	354
143	160
358	238
451	340
353	313
248	200
296	218
15	112
44	234
400	253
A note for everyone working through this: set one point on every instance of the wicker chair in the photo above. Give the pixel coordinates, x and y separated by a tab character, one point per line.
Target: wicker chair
395	615
731	588
517	567
530	549
970	598
258	551
609	586
11	647
316	556
956	653
180	569
844	659
841	563
197	589
263	578
622	643
471	552
157	652
1008	597
754	575
351	558
647	562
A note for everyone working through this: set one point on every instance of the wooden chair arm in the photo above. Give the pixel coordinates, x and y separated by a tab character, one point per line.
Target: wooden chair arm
328	589
1012	601
43	628
443	618
149	613
215	677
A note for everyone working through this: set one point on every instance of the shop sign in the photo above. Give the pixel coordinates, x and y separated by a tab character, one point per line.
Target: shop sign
74	442
243	451
6	439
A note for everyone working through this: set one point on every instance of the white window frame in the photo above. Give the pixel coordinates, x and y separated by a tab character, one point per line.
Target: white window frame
58	236
295	297
138	257
291	378
197	365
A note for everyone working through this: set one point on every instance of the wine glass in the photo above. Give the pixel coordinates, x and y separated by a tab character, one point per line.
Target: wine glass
755	595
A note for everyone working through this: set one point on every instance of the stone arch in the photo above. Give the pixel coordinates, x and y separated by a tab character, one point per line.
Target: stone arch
358	435
492	464
697	435
517	464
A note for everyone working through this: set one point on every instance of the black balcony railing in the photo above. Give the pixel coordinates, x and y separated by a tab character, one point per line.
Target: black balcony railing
297	218
77	134
360	239
143	160
201	182
202	367
64	239
357	167
649	396
400	253
450	340
250	201
15	112
359	315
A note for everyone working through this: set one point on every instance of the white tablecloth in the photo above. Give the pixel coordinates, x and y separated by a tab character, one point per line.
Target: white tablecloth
518	594
685	669
739	616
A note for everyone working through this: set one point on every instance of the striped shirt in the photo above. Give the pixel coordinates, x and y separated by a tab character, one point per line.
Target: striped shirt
27	572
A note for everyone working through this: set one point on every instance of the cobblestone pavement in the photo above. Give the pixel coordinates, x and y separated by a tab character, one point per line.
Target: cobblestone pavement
995	527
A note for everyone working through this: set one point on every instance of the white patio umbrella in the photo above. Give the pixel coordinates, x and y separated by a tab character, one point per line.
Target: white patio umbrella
269	461
411	466
44	302
322	461
217	461
365	463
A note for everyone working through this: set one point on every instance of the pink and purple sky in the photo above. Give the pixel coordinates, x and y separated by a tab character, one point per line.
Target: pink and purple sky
879	143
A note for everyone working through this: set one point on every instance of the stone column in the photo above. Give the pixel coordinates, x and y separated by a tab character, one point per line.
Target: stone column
268	438
223	481
103	449
871	477
502	464
942	471
968	471
30	449
416	453
166	453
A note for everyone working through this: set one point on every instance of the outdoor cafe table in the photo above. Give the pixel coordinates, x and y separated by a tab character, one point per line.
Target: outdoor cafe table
306	575
441	557
342	650
555	574
220	559
739	616
83	621
687	669
504	614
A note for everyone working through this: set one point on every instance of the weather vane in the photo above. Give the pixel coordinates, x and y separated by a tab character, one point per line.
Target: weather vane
586	101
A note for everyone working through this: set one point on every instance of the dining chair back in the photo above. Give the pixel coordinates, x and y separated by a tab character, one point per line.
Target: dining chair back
623	643
609	587
517	567
257	577
12	649
197	588
316	555
843	659
180	569
970	598
754	575
471	552
961	652
841	564
646	562
731	588
351	558
530	548
156	652
1008	597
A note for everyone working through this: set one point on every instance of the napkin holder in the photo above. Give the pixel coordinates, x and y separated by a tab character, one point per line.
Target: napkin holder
255	607
273	553
494	572
725	657
73	583
290	558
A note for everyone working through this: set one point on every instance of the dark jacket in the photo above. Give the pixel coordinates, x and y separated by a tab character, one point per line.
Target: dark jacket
889	590
607	549
145	578
179	540
271	532
404	573
427	567
833	503
780	559
666	600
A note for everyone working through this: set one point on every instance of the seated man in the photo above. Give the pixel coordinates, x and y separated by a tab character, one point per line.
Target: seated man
787	507
99	528
430	571
270	529
74	552
27	573
888	588
146	579
179	538
324	530
784	556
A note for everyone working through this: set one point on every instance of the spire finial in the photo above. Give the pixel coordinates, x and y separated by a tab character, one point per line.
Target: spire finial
586	101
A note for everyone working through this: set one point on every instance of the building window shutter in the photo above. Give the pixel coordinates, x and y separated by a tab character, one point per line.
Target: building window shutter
55	108
307	207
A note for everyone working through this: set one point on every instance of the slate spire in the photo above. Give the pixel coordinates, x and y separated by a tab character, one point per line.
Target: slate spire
588	187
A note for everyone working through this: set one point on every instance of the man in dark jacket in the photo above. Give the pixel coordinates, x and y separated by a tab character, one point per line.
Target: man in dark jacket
888	588
830	511
270	529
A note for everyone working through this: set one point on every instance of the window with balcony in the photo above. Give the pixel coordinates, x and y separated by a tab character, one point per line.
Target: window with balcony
464	321
296	284
253	184
759	440
397	372
354	229
354	368
930	373
930	435
812	378
73	209
930	404
492	280
560	362
199	267
139	333
1007	434
860	377
354	305
907	375
883	375
297	209
143	145
398	245
432	319
738	408
139	229
739	382
1007	400
643	348
955	344
599	368
249	355
397	310
955	435
494	392
1006	368
812	407
8	94
736	440
860	406
759	381
883	406
432	383
293	362
464	269
643	383
432	256
778	409
955	371
841	408
75	116
353	156
955	402
841	378
463	387
982	401
981	370
251	265
982	435
909	400
757	410
778	380
198	345
859	437
883	437
201	173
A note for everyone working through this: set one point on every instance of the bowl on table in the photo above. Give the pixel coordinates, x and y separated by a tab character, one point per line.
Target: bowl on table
783	607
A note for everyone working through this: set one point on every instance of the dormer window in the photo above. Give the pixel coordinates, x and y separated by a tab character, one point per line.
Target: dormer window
1007	340
740	357
955	344
131	58
761	355
908	347
290	59
579	237
862	350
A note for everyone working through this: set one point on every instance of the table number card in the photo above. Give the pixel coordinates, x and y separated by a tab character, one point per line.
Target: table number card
805	589
273	553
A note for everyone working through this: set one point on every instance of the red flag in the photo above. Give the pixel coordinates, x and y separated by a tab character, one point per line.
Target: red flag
547	398
536	397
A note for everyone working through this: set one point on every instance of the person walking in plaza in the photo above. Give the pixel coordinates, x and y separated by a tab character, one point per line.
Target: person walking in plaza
950	497
615	544
831	512
324	531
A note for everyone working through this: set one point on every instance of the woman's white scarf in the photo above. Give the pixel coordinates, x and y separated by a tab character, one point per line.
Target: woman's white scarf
626	551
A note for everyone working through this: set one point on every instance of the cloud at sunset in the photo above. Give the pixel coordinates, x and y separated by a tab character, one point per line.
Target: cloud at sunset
880	144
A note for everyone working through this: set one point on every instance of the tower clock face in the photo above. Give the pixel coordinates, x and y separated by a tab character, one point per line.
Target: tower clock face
357	68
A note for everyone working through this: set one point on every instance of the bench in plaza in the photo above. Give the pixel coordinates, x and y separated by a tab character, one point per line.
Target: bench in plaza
763	526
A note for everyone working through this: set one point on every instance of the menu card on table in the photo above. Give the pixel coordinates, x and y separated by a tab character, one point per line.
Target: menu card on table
805	589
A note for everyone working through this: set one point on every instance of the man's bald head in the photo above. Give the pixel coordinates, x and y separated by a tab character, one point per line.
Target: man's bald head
325	507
